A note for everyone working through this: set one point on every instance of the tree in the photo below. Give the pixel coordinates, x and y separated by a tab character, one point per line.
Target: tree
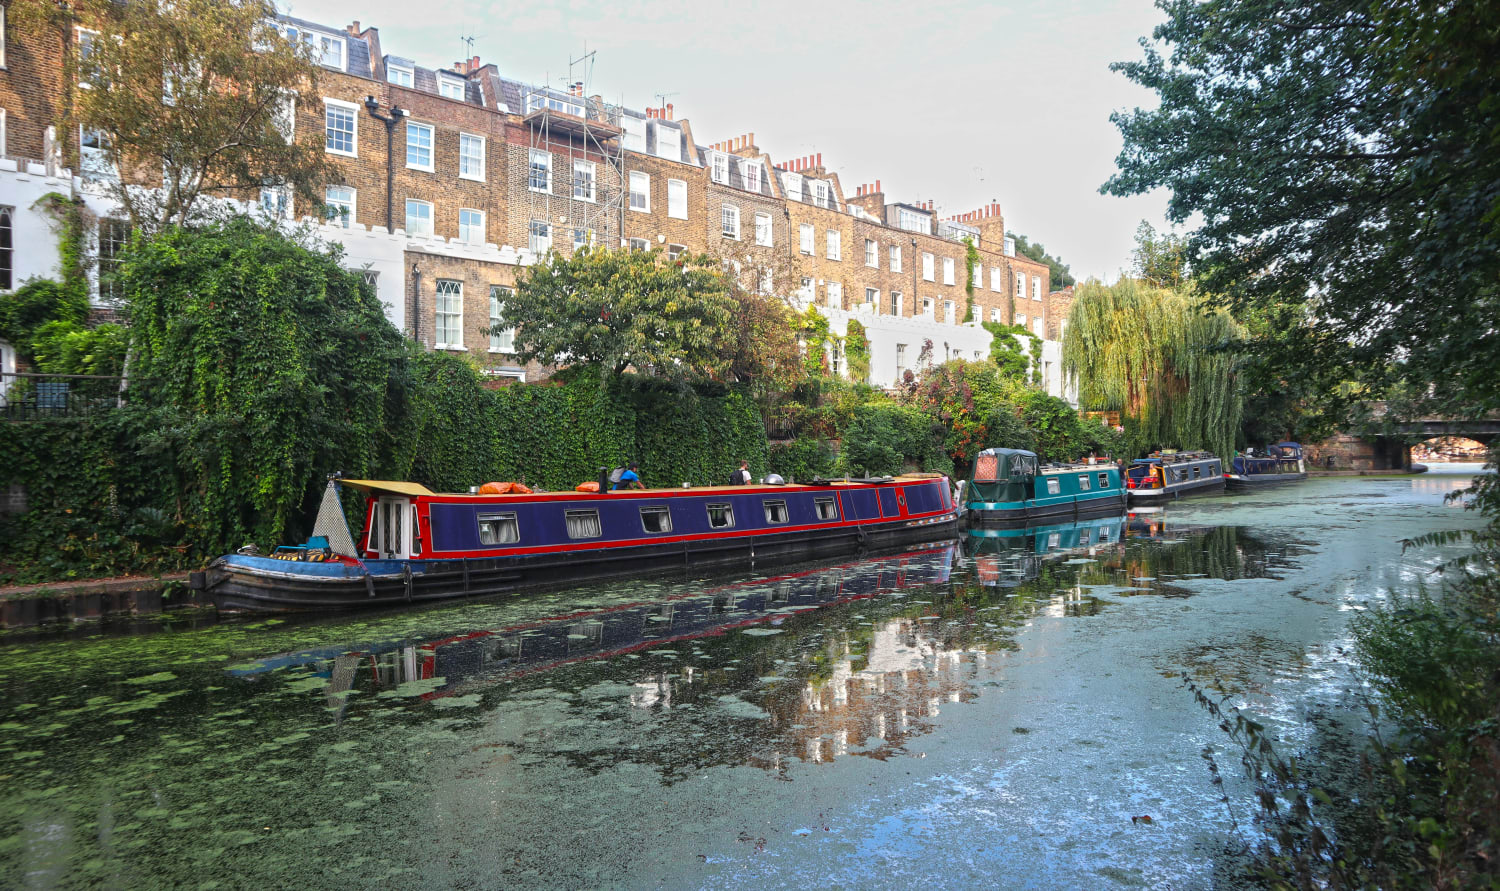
1162	358
1344	159
1060	276
1160	259
266	364
195	96
617	309
761	348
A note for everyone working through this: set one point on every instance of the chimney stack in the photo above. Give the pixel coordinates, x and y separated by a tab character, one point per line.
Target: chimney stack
669	111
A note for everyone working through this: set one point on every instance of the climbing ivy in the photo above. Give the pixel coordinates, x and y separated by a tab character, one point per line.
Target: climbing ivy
1005	350
857	350
972	261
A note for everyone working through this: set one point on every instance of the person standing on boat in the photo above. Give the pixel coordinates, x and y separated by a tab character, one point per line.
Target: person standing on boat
629	479
742	476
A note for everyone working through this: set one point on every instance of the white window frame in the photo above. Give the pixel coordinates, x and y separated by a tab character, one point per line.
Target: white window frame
1036	287
412	129
418	203
719	167
807	236
483	232
872	253
995	314
763	229
896	301
997	279
752	174
1020	319
501	340
533	239
822	193
545	158
729	214
835	244
950	312
3	36
280	204
329	104
346	219
637	245
929	267
587	187
677	200
456	319
410	79
895	258
3	134
872	297
948	270
835	295
791	183
586	241
643	179
927	307
1021	285
464	159
449	82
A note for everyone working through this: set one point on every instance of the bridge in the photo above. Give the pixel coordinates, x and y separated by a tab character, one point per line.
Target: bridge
1391	449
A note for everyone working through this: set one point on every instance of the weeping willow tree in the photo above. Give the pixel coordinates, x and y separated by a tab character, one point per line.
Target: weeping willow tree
1160	358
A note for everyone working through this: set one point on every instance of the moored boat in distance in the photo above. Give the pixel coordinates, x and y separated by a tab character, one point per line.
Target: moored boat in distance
1010	487
1167	475
422	546
1282	463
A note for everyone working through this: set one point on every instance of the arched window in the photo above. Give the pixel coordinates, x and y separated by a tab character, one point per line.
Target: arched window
7	254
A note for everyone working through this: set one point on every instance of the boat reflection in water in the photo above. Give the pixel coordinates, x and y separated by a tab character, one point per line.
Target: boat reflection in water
511	651
1009	557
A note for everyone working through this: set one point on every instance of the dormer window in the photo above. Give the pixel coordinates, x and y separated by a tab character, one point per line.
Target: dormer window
538	101
399	75
450	87
752	177
821	193
328	50
793	184
720	167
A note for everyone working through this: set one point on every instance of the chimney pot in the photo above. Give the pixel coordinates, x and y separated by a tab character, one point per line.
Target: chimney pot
820	159
877	186
669	111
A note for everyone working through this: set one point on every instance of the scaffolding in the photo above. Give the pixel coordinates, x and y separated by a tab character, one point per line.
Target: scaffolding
574	127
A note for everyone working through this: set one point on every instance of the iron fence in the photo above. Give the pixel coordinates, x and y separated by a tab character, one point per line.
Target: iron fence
25	396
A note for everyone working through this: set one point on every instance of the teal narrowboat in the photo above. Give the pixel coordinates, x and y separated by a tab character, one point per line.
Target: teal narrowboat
1009	486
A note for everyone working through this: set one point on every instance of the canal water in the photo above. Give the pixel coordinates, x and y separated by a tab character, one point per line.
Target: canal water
997	711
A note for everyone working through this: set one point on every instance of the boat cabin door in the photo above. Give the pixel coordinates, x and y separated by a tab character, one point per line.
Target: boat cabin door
391	527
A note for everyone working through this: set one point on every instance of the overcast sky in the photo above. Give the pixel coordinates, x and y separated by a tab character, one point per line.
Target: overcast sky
957	102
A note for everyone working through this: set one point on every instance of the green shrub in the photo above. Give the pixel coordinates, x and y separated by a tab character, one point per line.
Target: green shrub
801	459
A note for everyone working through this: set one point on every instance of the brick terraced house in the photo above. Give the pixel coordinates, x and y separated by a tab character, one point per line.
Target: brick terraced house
450	180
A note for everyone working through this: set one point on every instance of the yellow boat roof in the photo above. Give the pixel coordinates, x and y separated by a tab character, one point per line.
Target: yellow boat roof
392	486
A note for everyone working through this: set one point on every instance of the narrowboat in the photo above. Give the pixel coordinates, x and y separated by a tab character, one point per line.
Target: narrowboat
1167	475
1008	557
484	655
421	546
1282	463
1010	487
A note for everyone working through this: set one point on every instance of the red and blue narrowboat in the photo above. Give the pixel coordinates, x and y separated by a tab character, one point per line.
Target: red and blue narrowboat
1167	475
420	546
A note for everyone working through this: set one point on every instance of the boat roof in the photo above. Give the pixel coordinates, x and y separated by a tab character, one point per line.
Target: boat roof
397	487
1008	452
1295	445
392	486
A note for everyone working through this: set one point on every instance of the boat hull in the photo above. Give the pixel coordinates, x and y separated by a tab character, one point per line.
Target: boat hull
993	515
242	583
1177	490
1253	480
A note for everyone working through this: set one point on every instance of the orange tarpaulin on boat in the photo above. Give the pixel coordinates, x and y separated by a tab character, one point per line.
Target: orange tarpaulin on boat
504	489
586	487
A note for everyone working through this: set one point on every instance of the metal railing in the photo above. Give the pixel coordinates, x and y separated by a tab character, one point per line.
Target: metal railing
26	396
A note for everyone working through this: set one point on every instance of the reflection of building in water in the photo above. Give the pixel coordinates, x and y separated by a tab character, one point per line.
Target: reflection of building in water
873	700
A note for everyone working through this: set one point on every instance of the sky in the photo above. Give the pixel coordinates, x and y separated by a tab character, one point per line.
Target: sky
960	103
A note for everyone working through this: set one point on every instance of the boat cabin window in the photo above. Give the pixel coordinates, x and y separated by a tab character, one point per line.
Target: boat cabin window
827	509
1083	482
1197	471
720	516
495	529
1054	540
656	519
1104	481
1053	486
1083	536
584	524
775	511
986	468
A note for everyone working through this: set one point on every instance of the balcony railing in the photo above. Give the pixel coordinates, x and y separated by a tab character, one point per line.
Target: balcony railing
37	397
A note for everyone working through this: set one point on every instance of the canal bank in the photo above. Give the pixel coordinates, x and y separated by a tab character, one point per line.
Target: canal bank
1008	724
